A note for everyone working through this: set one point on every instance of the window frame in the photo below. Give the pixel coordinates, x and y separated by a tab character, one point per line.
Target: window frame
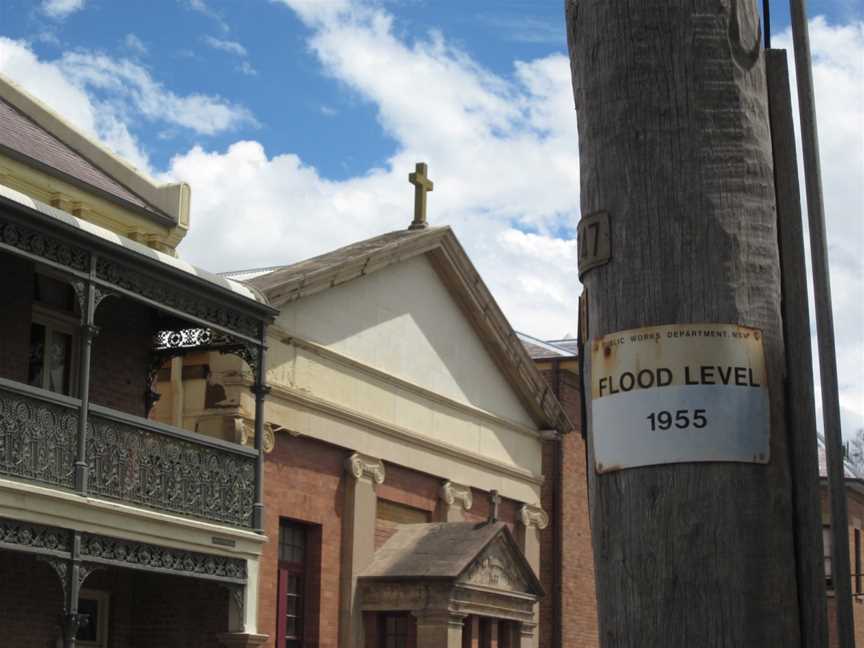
285	570
103	607
53	319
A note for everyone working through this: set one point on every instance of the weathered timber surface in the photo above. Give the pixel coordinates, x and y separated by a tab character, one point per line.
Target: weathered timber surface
800	402
675	144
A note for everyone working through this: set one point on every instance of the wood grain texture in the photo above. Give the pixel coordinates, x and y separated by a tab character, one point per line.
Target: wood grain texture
675	145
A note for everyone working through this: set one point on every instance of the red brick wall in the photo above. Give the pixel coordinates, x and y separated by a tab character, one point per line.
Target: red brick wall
573	617
30	601
303	482
15	316
145	610
121	355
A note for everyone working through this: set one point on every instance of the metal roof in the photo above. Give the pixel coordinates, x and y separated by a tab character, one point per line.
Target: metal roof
540	350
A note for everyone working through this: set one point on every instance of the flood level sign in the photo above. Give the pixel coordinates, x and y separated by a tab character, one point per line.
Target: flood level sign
679	393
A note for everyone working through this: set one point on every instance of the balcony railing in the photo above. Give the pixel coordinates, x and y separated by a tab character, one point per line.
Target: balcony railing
129	459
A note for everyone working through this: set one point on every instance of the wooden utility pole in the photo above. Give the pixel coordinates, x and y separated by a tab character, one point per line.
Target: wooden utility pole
679	227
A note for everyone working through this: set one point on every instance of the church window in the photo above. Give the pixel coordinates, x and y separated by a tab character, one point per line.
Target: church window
292	584
53	336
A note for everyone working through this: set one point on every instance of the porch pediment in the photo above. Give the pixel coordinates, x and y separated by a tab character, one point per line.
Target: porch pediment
499	566
457	566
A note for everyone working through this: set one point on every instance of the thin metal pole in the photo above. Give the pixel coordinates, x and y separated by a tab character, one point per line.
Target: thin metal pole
800	402
88	332
260	389
824	327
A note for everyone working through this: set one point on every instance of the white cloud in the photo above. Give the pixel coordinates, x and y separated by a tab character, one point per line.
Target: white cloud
129	89
103	96
504	157
245	67
838	71
494	147
235	49
232	47
205	10
47	82
61	8
503	154
135	45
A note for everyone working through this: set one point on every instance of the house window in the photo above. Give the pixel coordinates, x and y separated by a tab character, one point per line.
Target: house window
53	336
292	585
826	551
398	631
93	633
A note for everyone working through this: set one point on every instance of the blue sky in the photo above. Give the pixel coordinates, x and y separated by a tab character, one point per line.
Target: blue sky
297	121
297	106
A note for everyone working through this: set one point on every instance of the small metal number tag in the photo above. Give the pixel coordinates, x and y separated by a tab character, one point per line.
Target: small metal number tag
595	248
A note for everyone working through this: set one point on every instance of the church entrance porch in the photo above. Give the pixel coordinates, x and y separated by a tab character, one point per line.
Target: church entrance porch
449	585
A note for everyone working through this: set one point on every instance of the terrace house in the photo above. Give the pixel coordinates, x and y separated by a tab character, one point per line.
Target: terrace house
115	530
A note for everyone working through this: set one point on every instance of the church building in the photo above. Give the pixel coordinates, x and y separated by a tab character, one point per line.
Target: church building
404	434
355	450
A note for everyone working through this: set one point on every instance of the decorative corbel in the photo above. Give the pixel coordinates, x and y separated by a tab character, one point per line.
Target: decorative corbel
363	467
457	494
533	516
244	434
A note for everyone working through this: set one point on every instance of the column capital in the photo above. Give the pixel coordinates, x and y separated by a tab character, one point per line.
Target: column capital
363	467
457	494
530	515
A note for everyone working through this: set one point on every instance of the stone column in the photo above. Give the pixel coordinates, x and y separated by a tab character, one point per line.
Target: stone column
358	541
439	629
532	520
456	500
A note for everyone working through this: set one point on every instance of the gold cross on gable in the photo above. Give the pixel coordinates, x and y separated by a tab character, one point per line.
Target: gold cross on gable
422	184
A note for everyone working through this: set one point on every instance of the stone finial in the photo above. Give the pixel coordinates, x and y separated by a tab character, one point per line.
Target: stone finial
361	466
453	493
533	516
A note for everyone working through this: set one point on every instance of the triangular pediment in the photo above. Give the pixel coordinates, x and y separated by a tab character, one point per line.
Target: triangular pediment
377	275
501	566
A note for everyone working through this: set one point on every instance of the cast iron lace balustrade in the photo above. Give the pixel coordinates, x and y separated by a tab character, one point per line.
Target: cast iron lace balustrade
130	459
38	437
147	464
